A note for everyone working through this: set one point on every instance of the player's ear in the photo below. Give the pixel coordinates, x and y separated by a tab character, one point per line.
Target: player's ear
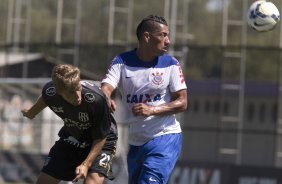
146	36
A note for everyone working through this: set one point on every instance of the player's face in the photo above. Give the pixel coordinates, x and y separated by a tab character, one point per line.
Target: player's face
72	96
159	40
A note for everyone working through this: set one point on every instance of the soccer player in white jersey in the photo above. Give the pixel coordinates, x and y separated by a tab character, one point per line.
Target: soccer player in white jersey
153	91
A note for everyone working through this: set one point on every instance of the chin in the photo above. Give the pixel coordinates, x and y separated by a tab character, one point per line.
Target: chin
162	52
77	103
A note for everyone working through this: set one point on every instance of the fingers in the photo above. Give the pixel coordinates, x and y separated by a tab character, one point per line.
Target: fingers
79	175
24	113
113	106
141	109
135	110
75	179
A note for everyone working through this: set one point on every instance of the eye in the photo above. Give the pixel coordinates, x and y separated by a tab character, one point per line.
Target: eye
164	35
161	35
71	92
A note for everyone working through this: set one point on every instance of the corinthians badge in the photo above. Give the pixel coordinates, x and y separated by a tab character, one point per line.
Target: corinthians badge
157	78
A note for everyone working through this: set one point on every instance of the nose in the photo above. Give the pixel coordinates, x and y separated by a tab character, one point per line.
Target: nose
167	41
77	95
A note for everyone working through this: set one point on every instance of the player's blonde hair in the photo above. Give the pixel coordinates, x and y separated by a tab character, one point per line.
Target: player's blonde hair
65	77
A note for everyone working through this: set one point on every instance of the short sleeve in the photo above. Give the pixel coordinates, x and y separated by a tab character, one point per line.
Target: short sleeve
177	81
114	72
48	92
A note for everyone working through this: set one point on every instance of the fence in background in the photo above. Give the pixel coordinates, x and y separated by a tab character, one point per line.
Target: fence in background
202	126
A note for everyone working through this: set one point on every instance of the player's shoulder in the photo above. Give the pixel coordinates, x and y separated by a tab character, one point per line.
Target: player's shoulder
167	60
49	90
124	57
121	58
91	91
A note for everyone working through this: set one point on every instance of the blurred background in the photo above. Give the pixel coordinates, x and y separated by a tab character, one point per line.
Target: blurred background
233	126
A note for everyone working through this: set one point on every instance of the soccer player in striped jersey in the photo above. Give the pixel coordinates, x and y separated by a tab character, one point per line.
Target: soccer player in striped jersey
88	137
153	90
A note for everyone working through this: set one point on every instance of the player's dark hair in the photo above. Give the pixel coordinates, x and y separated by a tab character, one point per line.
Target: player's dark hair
148	24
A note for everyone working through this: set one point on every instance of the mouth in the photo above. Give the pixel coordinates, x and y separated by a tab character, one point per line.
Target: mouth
76	103
79	101
166	48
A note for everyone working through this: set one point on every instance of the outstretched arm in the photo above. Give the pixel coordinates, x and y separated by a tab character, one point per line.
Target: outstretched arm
35	109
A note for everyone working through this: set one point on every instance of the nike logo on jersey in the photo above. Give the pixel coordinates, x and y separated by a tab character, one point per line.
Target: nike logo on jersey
152	179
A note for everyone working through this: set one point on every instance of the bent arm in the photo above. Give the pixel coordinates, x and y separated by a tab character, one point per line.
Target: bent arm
95	150
35	109
178	104
82	170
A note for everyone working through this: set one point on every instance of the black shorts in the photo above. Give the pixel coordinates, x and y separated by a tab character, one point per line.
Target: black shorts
64	157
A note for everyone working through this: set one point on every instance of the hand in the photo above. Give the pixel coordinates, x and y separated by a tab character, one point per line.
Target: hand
26	113
113	105
142	109
81	172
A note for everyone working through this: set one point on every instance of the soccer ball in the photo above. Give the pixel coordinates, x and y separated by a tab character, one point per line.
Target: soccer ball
263	15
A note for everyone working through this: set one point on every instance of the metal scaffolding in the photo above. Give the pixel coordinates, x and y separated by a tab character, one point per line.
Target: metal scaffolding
18	19
113	13
230	146
62	22
278	151
178	27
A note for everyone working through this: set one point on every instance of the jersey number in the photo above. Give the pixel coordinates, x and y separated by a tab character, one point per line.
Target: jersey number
104	161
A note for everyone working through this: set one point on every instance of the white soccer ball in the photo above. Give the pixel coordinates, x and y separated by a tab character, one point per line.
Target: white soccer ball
263	15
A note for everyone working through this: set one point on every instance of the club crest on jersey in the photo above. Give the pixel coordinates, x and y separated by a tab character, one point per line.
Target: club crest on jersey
89	97
51	91
83	116
157	78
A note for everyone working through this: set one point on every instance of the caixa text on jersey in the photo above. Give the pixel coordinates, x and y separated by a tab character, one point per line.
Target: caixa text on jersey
142	98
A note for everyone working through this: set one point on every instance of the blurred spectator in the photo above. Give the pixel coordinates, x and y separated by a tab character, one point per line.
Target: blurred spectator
12	111
3	106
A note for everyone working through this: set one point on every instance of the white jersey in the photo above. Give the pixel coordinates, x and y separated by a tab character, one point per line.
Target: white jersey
149	83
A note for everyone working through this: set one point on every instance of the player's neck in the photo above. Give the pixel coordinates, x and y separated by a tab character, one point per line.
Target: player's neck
144	55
